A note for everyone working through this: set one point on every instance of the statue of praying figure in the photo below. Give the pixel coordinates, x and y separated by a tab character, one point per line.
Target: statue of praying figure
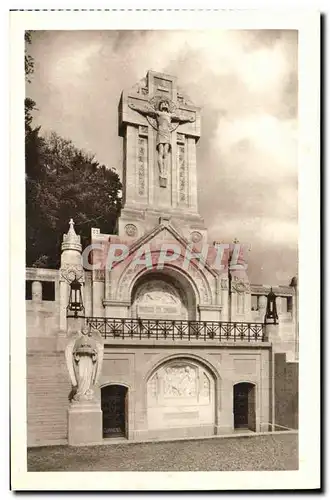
164	121
84	355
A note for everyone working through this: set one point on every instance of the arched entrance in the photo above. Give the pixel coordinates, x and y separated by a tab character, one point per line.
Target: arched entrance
244	406
114	404
163	295
181	399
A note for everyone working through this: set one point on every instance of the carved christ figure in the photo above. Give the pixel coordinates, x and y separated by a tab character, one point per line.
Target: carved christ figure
165	123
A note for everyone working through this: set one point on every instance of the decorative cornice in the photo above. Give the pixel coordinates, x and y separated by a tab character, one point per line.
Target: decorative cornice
121	303
209	307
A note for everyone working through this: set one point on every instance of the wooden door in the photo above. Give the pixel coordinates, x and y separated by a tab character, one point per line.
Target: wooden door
252	408
113	403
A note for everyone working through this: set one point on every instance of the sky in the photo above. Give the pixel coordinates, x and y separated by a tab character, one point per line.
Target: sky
246	84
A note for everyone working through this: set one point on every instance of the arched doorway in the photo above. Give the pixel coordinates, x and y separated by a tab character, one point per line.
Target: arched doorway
114	404
244	406
164	295
181	398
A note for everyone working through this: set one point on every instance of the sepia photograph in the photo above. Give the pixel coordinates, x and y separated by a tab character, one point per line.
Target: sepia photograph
162	251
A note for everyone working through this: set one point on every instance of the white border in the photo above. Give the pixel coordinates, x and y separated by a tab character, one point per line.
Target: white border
309	86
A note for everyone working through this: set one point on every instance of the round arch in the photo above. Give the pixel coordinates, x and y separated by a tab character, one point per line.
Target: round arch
114	405
163	294
244	405
189	357
192	277
181	394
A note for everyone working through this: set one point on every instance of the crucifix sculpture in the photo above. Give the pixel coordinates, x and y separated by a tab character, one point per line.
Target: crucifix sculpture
163	116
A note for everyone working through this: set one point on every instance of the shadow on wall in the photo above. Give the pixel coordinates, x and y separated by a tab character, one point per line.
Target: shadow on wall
286	392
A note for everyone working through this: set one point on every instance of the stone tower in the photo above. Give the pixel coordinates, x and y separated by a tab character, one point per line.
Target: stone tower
160	127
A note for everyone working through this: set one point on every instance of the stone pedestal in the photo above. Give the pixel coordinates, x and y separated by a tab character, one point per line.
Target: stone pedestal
84	424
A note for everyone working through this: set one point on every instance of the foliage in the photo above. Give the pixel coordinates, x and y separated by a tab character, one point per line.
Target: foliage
28	59
67	182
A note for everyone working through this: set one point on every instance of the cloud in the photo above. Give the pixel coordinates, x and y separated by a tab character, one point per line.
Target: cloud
246	85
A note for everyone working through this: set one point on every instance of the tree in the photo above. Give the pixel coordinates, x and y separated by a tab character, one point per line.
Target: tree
73	184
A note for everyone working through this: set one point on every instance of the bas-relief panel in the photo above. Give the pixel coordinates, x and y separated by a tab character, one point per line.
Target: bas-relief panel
160	300
180	381
181	384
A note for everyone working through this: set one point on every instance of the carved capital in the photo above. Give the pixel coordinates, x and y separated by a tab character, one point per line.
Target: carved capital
69	272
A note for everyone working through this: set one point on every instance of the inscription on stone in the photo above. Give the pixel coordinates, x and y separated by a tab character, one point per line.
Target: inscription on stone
142	165
182	172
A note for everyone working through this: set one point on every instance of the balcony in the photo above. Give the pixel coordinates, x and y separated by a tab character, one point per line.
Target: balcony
154	330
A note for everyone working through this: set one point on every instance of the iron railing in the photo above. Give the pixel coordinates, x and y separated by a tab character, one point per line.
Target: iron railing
159	329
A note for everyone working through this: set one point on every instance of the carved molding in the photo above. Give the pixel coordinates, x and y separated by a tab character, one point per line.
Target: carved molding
99	275
131	230
142	165
196	237
115	303
143	131
224	284
141	87
180	138
209	307
68	272
240	286
182	173
202	285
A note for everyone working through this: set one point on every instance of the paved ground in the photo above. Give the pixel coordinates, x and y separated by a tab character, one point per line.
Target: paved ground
272	452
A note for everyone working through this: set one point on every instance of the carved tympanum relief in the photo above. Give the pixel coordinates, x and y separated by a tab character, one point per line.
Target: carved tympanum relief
160	300
179	382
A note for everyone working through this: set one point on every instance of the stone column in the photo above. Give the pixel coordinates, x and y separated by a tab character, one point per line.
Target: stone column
64	298
262	307
36	303
192	173
247	306
226	417
71	267
131	160
273	336
224	300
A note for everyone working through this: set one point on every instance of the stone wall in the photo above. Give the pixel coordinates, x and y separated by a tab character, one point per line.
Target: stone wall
135	368
48	388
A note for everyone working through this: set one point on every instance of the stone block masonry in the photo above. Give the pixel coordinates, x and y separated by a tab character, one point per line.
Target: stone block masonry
48	388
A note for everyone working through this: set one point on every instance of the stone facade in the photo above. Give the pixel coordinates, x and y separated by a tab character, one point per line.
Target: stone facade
185	349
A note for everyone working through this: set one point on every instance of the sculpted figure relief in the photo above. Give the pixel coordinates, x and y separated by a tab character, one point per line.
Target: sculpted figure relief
84	356
163	117
180	381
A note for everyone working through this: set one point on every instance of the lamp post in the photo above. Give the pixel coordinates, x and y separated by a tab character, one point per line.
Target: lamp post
271	315
75	308
272	331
